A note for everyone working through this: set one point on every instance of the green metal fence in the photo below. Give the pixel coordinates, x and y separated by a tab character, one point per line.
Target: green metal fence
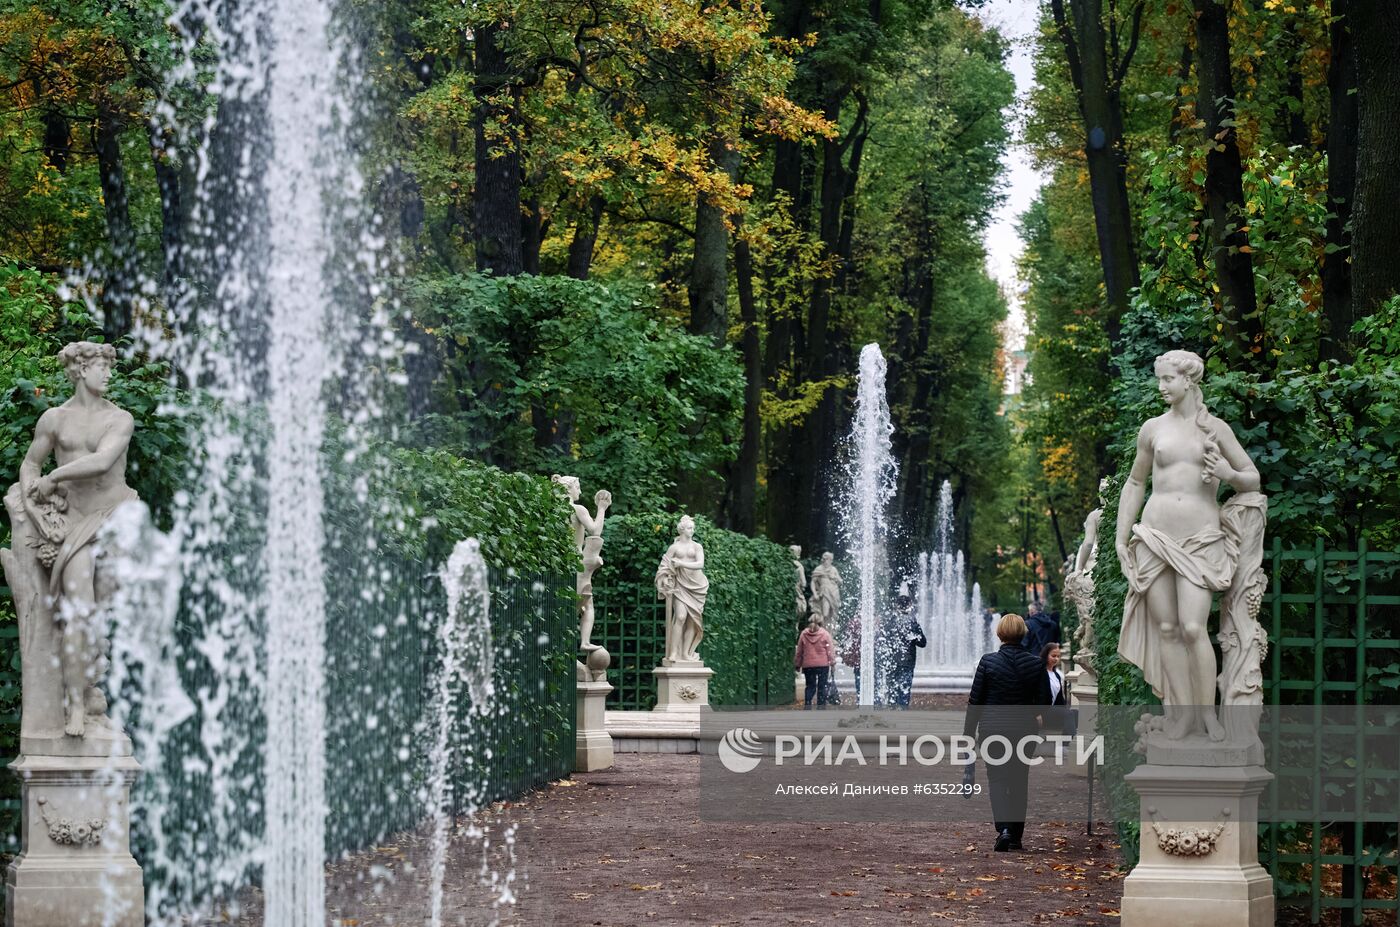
380	661
749	648
1333	642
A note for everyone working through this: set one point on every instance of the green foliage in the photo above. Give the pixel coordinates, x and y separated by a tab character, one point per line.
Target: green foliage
748	615
551	374
521	520
34	325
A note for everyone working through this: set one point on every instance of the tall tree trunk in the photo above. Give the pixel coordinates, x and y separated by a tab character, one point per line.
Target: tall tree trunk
496	200
1341	182
58	138
1224	193
585	239
167	170
782	358
783	347
533	228
742	492
709	268
820	429
1375	243
119	291
1293	124
1097	82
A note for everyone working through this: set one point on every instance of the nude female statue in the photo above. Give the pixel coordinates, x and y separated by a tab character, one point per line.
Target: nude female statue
681	581
1180	554
88	437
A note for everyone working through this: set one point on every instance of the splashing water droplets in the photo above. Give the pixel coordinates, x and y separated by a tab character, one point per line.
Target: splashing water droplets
871	471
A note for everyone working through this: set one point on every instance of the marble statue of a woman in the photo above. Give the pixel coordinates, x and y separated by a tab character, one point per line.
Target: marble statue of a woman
51	567
681	581
826	590
1185	549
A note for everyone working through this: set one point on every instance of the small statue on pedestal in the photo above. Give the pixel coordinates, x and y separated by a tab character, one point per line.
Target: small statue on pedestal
588	541
681	581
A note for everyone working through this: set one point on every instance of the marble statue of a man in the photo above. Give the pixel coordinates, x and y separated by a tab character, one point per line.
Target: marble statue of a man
801	600
681	581
1185	549
826	590
51	567
588	541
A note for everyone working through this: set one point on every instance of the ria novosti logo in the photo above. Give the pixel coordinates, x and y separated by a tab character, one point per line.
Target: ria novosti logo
740	750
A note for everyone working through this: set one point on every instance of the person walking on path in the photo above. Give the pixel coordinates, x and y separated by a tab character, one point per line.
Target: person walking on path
1009	686
902	640
1041	629
815	655
850	653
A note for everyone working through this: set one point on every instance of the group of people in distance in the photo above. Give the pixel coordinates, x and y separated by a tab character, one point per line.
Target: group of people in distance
1018	690
896	647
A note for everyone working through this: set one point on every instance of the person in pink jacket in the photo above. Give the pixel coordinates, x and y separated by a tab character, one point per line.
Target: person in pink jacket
815	656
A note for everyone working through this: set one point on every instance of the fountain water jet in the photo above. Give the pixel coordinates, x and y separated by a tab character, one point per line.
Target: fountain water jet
950	616
871	472
466	658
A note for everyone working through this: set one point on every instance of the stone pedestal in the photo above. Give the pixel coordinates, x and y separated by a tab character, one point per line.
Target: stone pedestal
1200	849
75	867
593	745
683	686
1084	699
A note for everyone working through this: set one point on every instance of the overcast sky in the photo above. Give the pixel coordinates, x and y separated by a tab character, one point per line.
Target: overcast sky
1016	19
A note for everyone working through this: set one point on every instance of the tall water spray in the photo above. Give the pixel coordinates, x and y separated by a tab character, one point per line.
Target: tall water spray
297	365
277	249
466	659
871	472
950	615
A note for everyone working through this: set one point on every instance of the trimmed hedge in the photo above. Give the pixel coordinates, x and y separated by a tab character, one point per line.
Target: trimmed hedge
521	520
748	614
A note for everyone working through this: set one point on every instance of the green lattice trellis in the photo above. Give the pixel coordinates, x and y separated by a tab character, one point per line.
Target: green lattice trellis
1334	641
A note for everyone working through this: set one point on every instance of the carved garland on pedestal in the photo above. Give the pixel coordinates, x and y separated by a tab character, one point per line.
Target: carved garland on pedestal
689	693
1191	841
66	832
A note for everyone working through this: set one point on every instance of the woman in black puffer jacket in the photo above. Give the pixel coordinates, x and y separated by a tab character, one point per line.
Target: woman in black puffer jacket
1010	684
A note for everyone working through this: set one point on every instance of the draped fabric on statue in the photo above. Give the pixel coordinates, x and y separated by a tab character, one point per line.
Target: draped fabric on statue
79	535
1206	559
685	590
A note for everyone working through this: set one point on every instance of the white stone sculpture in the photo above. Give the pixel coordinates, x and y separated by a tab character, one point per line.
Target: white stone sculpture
75	864
52	568
1183	551
681	581
801	600
1079	586
588	541
826	590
